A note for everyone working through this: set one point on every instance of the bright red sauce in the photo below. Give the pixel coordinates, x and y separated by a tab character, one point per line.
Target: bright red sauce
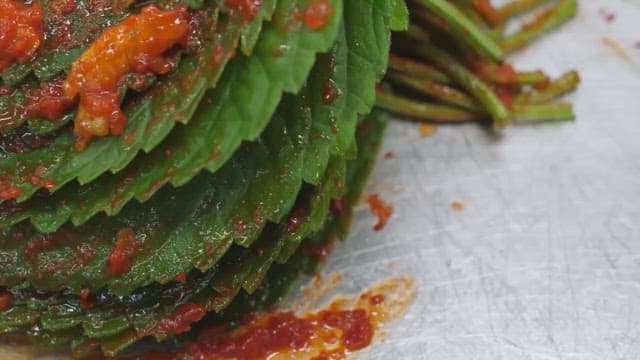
181	278
86	300
180	321
318	14
249	8
8	191
21	32
344	326
137	45
48	101
381	209
123	251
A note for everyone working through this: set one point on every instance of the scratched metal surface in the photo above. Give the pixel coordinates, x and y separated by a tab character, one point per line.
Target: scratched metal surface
544	263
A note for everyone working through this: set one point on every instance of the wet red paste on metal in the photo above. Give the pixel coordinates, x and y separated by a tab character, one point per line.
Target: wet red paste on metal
381	209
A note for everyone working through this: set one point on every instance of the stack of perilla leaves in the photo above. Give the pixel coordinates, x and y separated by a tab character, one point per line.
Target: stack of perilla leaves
227	163
244	148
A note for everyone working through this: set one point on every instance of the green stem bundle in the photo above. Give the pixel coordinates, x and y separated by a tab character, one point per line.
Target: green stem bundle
455	70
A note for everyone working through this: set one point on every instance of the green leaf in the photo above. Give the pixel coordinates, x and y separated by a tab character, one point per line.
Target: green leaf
399	15
151	118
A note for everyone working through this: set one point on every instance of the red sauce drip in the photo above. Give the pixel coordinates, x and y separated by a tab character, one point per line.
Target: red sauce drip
381	209
136	45
249	8
282	332
318	14
376	299
6	300
40	244
86	300
48	101
344	326
181	278
180	321
20	32
330	93
123	251
607	15
8	191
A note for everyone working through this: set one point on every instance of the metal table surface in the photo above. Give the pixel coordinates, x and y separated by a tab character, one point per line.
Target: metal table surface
544	262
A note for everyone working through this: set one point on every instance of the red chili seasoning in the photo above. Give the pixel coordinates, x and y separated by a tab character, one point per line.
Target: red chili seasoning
137	45
458	206
122	253
6	300
20	32
381	209
487	10
182	277
344	326
249	8
8	191
86	300
607	15
48	101
180	321
41	244
319	252
318	14
330	93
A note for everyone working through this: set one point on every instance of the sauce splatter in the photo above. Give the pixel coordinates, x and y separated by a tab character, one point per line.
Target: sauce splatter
330	92
136	45
21	32
345	325
608	15
427	130
122	253
180	321
318	14
458	206
47	101
249	8
381	209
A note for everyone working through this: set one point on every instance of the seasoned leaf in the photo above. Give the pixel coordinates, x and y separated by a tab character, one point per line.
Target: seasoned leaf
151	118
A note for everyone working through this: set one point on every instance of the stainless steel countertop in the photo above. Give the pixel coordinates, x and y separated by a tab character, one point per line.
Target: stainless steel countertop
544	262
